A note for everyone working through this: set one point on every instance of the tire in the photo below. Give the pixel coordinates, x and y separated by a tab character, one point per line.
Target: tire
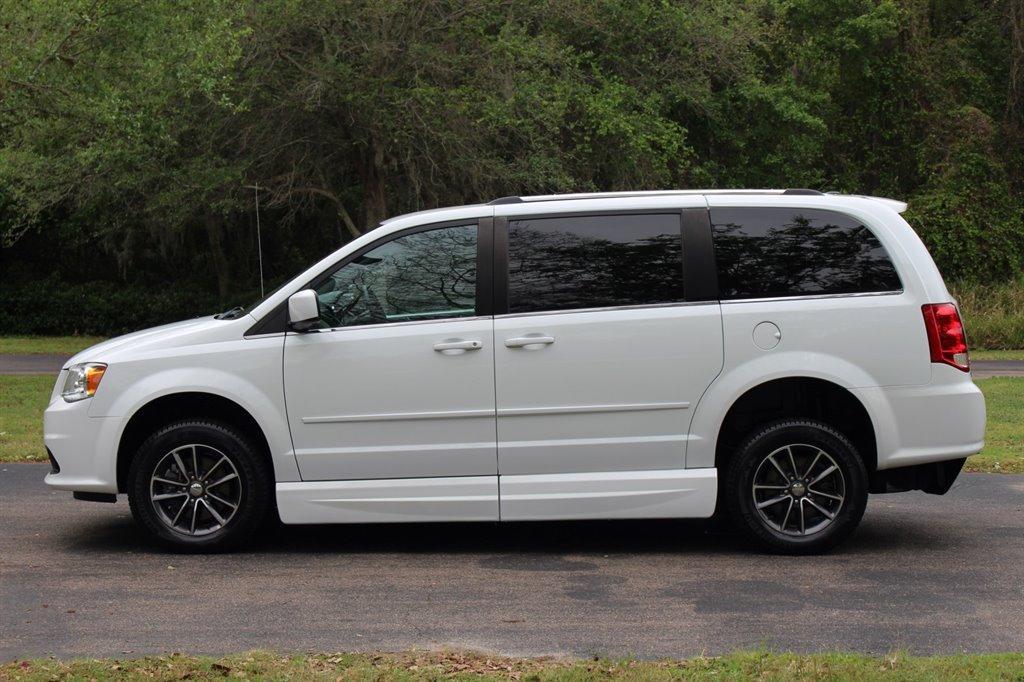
825	476
216	510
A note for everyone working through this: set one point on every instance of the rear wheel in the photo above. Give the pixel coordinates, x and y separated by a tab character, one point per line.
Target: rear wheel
797	487
199	486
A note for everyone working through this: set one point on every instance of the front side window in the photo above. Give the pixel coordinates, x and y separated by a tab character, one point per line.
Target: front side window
779	252
421	276
573	262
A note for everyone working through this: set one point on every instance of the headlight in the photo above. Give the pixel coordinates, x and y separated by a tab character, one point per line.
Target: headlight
82	381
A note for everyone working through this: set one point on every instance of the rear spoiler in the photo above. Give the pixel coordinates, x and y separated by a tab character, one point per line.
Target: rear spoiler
894	204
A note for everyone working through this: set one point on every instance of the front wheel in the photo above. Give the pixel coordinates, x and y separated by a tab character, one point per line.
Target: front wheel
199	486
797	487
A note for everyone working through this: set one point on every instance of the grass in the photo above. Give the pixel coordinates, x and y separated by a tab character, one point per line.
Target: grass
464	666
997	354
993	314
1004	431
23	399
66	345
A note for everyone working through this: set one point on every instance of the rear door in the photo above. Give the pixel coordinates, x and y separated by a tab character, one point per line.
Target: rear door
603	347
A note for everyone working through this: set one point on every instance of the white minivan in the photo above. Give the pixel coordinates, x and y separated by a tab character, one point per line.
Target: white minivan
778	354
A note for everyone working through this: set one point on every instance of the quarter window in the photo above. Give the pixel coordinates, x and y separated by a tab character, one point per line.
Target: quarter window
421	276
575	262
776	252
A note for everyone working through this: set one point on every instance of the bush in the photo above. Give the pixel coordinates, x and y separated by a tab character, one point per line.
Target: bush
993	314
51	306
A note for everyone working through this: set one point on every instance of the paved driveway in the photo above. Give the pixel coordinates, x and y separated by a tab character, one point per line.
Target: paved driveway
35	363
933	574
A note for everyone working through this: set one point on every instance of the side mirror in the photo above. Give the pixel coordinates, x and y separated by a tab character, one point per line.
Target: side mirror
303	310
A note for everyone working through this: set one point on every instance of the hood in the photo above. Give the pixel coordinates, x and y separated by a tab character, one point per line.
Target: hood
103	352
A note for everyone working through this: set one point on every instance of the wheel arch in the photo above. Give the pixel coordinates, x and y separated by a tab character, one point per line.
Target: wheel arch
173	407
797	397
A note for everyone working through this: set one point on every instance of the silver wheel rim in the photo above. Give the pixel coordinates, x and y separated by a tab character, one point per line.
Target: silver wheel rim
195	490
798	490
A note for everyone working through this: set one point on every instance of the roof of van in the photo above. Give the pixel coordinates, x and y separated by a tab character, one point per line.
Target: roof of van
896	205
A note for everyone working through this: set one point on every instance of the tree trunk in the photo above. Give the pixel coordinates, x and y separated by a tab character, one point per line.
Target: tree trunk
221	265
375	203
1016	93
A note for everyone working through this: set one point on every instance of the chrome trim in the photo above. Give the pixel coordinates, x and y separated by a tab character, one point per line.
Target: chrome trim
398	416
813	297
407	323
578	409
644	306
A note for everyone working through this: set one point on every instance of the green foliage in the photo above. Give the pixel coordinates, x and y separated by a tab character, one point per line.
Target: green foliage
132	135
993	313
52	307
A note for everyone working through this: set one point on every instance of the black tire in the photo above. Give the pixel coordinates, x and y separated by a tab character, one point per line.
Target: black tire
252	487
773	527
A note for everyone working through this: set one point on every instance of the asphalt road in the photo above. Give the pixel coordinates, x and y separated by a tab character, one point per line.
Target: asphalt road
32	363
50	363
932	574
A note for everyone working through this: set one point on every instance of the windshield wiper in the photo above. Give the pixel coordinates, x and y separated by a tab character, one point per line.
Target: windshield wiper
230	314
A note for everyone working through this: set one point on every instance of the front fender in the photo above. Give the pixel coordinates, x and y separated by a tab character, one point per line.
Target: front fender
249	376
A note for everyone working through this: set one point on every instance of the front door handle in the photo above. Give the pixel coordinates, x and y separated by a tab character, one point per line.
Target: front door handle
471	344
522	341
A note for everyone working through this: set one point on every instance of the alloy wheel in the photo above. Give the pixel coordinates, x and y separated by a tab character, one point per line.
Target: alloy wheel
195	490
798	490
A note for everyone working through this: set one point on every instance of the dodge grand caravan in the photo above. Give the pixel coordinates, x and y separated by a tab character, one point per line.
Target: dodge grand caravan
776	354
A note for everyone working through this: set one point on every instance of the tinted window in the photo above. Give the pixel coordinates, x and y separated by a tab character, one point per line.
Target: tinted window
766	252
594	262
424	275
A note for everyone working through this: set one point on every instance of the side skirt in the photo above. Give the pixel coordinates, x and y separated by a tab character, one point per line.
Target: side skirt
678	493
396	500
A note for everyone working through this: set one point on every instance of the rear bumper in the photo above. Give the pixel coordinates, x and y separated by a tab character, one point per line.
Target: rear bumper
936	422
935	478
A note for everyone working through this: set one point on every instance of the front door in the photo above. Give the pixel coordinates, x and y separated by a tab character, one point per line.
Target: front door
398	383
600	361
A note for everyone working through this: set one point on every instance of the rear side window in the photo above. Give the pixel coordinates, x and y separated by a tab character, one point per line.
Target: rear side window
594	261
775	252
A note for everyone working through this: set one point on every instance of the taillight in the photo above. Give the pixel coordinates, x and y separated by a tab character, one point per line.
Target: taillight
946	339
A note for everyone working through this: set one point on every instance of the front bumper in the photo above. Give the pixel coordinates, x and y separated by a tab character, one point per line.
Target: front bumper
84	447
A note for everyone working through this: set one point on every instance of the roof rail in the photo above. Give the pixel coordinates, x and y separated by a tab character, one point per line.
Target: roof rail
609	195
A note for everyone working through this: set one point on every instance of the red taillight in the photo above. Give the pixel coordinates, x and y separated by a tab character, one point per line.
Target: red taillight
946	338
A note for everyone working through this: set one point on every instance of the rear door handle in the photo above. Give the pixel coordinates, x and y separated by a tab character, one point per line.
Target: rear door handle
471	344
521	341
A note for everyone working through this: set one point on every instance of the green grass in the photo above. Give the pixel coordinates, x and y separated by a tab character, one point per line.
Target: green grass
67	345
1004	431
997	354
23	399
993	314
465	666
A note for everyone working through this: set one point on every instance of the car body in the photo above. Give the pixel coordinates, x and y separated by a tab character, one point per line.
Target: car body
559	357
